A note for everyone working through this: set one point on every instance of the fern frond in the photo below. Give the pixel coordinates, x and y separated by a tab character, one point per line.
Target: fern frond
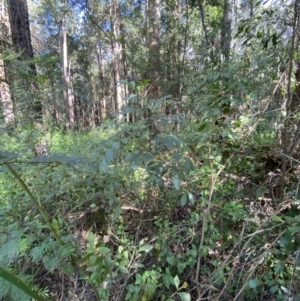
37	253
51	262
10	250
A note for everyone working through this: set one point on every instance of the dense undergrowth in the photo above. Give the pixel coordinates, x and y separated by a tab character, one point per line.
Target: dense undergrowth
142	216
167	208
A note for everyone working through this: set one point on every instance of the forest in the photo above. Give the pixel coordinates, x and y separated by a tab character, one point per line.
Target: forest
149	150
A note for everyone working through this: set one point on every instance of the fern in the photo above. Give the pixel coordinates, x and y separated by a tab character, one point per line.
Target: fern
47	246
65	251
10	250
14	244
9	291
37	254
51	253
52	262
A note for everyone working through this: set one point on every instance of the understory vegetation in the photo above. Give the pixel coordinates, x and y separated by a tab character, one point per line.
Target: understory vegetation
167	208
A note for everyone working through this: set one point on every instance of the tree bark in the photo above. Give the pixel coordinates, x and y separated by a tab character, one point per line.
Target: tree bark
116	51
226	29
21	38
202	14
68	91
154	69
102	95
5	97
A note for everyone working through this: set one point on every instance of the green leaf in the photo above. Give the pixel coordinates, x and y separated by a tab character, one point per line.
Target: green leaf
176	281
261	191
191	198
86	257
104	250
278	267
167	280
202	127
273	289
146	248
138	279
109	154
293	229
103	166
124	140
169	142
188	166
253	283
184	296
21	285
183	199
67	268
284	240
176	183
276	218
177	156
171	260
116	145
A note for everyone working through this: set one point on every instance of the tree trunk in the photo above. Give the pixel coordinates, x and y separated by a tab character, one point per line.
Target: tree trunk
116	51
102	95
154	46
68	91
125	91
226	29
21	38
202	14
5	97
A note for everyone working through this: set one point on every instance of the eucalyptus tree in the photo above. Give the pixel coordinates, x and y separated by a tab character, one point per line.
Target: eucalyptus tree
5	39
116	54
226	29
154	61
21	40
65	64
58	25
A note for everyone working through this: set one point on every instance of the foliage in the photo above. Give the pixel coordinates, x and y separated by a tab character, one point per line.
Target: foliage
179	195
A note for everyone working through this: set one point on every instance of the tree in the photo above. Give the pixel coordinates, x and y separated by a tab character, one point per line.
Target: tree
226	29
154	63
66	68
116	49
5	97
21	39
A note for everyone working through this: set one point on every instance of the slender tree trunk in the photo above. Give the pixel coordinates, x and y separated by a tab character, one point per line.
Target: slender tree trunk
251	8
125	91
226	30
202	15
21	38
102	95
6	105
153	66
154	69
116	51
68	91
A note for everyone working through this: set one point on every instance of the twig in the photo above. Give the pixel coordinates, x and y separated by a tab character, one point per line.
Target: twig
256	265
